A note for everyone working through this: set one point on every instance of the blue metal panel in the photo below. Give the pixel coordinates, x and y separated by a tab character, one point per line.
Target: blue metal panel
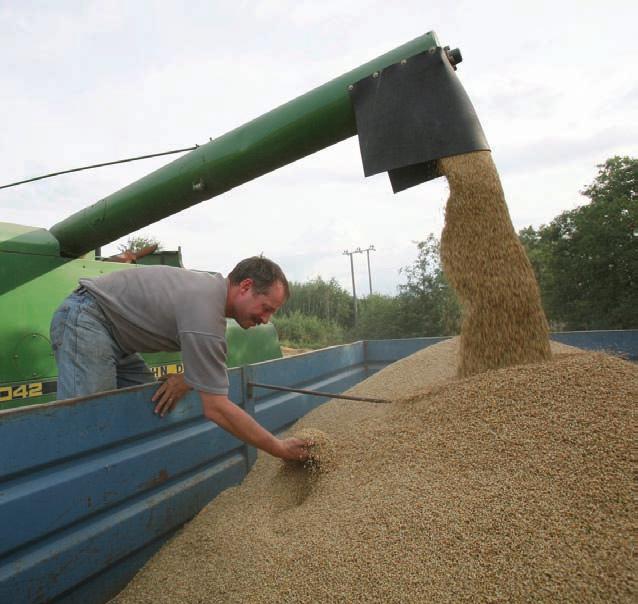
623	342
278	410
45	501
305	369
108	584
55	564
333	369
90	488
99	421
382	352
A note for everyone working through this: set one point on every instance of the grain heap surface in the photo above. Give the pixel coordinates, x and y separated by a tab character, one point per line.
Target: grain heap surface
514	485
503	320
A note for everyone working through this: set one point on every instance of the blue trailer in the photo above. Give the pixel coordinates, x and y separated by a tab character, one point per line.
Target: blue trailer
91	488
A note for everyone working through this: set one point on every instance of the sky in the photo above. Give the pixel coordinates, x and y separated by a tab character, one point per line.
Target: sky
554	85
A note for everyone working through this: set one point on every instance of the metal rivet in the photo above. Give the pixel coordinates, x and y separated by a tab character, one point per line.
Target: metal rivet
432	51
375	74
351	87
404	61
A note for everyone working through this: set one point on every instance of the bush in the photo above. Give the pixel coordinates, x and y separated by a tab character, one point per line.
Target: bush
323	299
379	318
307	331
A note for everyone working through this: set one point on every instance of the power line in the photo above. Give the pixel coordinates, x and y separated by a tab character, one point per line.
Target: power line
109	163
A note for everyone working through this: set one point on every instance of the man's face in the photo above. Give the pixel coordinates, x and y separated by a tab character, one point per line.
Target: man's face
252	308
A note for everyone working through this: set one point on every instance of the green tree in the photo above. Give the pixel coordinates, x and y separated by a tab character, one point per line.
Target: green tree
428	305
326	300
538	252
307	331
379	318
617	180
139	242
586	259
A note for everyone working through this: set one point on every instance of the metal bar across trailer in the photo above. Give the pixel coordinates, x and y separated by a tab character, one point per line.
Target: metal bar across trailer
317	393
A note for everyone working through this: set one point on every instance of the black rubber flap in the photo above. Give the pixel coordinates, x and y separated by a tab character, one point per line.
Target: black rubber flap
411	114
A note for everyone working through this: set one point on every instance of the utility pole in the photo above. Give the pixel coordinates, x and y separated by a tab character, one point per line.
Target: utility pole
354	290
369	249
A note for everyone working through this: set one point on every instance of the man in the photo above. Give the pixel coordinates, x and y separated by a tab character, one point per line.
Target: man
100	329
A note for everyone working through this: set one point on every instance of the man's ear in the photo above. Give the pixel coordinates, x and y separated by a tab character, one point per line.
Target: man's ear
245	285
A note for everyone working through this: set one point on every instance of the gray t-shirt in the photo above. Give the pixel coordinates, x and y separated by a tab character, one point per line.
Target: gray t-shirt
163	308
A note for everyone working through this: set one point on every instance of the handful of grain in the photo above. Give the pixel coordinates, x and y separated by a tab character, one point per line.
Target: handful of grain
322	452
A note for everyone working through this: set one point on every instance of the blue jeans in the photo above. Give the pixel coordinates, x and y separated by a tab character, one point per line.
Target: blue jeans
89	358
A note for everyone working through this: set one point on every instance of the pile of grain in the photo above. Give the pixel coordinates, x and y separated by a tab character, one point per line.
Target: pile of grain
512	485
503	320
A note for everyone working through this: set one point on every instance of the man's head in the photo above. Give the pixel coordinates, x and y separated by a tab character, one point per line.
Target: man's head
257	288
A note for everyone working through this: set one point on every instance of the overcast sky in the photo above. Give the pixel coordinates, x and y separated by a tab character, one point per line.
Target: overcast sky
553	83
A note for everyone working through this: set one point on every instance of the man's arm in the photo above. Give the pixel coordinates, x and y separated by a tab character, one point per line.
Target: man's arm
219	409
230	417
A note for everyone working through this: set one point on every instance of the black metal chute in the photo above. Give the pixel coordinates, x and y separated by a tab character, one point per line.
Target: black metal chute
412	113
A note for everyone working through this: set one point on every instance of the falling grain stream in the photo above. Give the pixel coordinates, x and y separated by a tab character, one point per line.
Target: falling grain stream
503	320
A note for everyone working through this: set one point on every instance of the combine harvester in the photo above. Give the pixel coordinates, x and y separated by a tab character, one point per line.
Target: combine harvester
90	488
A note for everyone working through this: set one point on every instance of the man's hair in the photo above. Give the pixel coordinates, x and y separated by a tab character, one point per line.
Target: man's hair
262	271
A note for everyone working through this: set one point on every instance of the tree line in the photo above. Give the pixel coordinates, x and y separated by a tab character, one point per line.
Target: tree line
585	261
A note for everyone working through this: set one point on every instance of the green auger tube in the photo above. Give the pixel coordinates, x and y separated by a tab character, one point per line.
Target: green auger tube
313	121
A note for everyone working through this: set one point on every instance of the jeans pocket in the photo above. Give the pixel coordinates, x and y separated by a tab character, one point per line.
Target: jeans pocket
58	323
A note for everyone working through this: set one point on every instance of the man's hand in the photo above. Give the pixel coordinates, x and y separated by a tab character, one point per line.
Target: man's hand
295	449
235	420
173	388
130	257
